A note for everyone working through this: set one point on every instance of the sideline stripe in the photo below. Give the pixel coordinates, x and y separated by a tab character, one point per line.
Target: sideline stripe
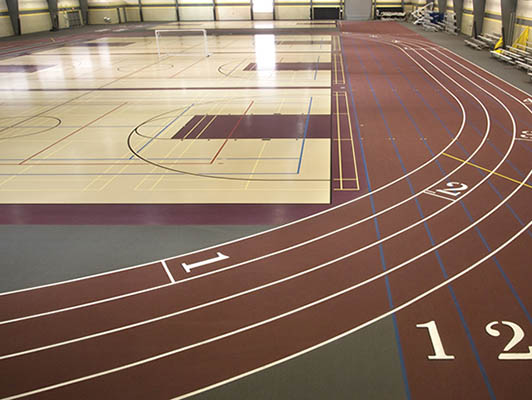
485	169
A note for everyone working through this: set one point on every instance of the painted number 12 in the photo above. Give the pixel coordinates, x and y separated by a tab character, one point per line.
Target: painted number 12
506	354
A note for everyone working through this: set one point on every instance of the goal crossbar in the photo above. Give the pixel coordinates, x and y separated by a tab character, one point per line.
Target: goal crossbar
204	31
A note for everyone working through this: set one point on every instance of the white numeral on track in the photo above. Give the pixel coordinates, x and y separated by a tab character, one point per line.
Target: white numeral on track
525	135
453	189
517	337
437	345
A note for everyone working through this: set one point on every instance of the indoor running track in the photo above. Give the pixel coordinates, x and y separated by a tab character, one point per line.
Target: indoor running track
441	240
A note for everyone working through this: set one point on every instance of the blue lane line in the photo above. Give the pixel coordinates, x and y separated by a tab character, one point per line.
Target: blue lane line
427	229
162	130
377	230
304	137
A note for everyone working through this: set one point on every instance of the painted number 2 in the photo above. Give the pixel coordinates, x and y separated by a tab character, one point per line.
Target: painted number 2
517	337
526	135
453	189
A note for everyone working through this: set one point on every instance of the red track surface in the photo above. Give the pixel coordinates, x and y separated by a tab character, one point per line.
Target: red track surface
462	263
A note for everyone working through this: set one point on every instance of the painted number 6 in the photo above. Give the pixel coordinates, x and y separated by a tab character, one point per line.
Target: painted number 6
517	337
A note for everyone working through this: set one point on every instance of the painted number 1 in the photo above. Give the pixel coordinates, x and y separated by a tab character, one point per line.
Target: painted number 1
437	345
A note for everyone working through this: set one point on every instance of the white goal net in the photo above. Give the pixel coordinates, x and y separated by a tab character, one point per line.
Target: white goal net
181	42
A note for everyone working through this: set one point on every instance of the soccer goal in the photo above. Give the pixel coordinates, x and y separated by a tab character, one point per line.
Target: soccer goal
181	42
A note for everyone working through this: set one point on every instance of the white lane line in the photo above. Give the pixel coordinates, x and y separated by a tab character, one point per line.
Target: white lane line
279	281
172	280
368	323
495	85
430	192
269	320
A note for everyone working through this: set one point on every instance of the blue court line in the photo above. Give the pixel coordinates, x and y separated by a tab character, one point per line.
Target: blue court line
162	130
377	230
420	211
505	277
304	136
317	65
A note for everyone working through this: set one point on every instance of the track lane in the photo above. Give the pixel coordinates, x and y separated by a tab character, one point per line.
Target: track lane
211	361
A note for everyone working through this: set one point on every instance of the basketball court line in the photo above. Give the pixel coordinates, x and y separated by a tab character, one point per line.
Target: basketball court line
162	130
72	133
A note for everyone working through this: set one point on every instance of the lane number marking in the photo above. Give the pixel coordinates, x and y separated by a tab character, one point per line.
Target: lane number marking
454	189
219	257
437	345
517	337
525	135
451	192
506	354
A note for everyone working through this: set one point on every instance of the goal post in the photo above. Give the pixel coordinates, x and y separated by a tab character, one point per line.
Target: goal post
165	36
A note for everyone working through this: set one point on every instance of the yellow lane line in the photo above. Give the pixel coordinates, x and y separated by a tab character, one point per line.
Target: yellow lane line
487	170
339	144
351	137
341	62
